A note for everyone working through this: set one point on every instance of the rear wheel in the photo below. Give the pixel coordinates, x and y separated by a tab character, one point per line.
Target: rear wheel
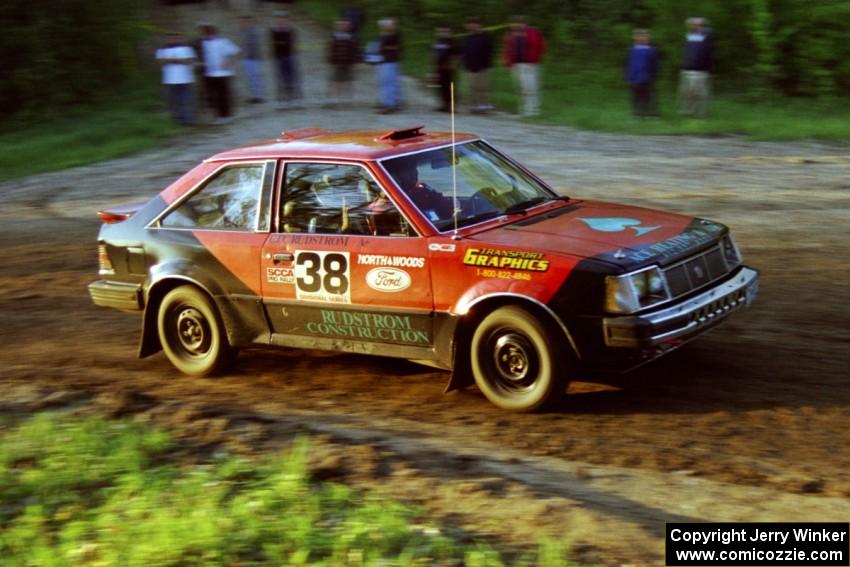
513	361
191	333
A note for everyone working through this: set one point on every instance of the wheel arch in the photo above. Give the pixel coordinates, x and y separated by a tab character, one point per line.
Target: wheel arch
156	291
479	308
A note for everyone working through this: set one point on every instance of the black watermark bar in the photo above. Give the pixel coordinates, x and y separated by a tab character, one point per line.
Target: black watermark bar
821	544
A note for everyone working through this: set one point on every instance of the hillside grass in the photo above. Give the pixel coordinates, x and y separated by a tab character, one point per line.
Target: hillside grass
87	491
118	126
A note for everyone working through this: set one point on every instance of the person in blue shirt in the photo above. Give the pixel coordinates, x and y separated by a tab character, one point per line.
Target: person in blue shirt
641	72
697	66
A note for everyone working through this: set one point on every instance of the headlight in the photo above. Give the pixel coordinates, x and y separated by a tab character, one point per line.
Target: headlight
635	291
731	252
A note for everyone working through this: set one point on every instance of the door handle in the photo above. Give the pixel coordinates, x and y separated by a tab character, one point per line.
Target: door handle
282	257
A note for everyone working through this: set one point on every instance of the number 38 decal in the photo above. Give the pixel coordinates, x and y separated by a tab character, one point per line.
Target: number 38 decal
322	276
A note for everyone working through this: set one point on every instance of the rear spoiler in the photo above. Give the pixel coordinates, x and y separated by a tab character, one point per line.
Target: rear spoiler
118	213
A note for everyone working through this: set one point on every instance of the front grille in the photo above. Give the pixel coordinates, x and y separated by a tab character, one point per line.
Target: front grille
718	307
697	271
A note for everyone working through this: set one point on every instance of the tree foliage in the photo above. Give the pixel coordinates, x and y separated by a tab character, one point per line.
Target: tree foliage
793	47
59	53
66	52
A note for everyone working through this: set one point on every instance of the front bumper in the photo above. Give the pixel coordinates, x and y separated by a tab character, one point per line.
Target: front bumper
674	325
118	295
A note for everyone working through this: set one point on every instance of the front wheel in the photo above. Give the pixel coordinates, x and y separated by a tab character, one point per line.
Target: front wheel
513	361
191	333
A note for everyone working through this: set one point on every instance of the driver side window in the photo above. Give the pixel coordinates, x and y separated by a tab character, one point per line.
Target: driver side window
325	198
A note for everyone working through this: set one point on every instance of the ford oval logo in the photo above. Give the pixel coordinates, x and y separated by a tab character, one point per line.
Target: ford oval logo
388	279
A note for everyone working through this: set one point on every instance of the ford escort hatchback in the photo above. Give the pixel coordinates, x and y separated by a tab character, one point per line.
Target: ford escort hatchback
416	245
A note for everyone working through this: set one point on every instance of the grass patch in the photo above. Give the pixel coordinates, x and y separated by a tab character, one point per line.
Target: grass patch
592	101
93	492
117	127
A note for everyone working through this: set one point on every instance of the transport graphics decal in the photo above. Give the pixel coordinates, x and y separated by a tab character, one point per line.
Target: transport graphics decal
389	280
322	276
391	261
360	325
618	224
280	275
506	259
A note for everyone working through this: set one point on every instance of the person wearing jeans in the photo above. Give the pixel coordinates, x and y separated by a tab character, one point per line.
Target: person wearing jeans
219	55
252	61
283	47
176	59
389	80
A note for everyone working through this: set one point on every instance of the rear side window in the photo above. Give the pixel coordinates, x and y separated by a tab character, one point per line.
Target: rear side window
228	201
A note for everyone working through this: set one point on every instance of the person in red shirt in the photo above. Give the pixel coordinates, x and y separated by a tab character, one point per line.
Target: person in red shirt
523	51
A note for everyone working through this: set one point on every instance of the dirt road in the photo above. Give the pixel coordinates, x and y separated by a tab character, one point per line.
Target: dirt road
748	423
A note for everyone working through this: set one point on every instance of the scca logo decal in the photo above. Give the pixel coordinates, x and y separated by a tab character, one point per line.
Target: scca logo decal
506	259
280	275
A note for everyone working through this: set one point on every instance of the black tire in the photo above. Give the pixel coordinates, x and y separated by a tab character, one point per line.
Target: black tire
191	333
514	362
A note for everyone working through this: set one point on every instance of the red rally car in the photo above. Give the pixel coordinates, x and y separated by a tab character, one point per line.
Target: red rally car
417	245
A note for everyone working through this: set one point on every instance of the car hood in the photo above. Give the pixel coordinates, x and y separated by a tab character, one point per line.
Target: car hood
623	235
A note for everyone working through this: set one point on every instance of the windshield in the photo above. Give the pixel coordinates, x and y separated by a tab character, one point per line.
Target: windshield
488	185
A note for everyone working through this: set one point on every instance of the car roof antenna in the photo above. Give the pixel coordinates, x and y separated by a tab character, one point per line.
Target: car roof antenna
455	208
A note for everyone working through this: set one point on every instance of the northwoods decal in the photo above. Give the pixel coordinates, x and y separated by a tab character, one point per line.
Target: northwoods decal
391	261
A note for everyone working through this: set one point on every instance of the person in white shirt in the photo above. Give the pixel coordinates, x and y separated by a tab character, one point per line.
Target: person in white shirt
176	59
219	61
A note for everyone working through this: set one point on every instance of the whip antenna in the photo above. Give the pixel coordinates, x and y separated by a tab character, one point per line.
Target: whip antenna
455	208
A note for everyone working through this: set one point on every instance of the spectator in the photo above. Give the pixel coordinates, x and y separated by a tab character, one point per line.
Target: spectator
641	72
204	96
219	54
283	45
177	59
477	60
252	59
389	81
443	53
523	50
342	55
353	14
697	65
